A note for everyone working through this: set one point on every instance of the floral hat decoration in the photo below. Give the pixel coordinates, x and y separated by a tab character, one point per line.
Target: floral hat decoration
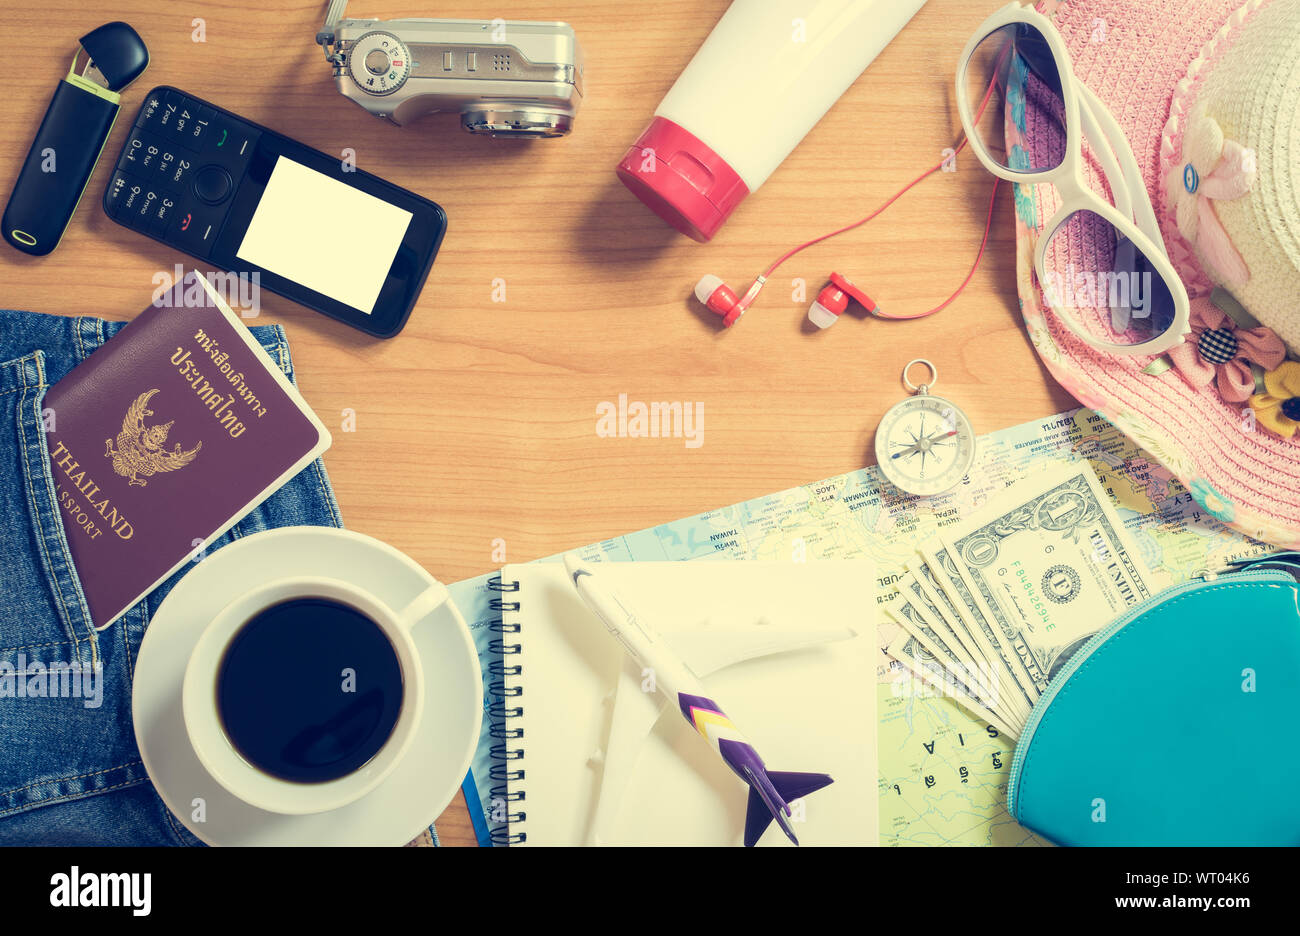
1230	156
1208	94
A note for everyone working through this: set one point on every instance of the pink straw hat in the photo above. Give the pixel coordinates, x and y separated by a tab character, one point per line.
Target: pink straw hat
1208	94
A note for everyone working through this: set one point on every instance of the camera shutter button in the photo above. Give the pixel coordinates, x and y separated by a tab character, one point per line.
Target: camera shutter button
212	184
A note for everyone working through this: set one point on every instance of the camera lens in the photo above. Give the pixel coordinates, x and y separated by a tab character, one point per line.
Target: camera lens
521	122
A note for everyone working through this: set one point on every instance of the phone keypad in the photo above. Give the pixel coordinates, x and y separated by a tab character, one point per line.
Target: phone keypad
166	117
179	170
196	135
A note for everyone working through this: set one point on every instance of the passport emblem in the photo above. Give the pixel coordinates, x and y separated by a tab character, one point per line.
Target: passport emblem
141	450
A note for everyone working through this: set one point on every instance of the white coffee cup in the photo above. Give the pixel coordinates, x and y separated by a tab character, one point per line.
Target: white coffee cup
212	744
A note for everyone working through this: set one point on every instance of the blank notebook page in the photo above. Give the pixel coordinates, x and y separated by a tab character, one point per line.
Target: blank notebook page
812	709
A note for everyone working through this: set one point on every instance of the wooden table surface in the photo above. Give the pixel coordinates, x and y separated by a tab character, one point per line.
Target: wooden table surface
477	424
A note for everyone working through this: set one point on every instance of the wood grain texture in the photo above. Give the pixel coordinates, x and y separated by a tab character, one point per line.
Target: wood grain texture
479	421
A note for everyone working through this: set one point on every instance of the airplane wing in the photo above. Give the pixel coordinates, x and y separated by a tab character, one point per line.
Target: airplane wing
633	718
635	711
709	649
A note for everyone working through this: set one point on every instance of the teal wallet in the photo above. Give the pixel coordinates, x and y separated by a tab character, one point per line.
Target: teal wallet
1178	724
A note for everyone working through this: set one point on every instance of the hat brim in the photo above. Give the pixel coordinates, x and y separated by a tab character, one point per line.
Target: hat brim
1239	472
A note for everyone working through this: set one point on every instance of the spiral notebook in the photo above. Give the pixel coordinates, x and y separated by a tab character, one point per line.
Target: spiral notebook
809	709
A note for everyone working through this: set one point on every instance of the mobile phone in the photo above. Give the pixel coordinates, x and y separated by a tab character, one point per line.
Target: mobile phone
253	202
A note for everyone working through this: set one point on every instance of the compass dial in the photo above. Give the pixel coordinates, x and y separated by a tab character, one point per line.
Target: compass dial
379	63
925	445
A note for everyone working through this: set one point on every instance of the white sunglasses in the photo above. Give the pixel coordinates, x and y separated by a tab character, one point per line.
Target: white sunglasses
1136	306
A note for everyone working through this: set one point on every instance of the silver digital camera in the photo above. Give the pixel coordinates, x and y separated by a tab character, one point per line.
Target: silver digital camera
505	78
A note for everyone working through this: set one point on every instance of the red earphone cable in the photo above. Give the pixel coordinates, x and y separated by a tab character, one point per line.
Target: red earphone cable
988	227
988	224
857	224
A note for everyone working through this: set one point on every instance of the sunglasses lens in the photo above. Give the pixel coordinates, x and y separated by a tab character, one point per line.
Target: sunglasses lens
1012	79
1101	281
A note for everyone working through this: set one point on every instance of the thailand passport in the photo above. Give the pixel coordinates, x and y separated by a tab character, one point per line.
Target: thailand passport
164	437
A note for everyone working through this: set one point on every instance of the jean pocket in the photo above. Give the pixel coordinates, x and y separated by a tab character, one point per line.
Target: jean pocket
43	615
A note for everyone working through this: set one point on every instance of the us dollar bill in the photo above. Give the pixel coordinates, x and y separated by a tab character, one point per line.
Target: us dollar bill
920	583
927	589
977	681
1050	563
979	625
923	665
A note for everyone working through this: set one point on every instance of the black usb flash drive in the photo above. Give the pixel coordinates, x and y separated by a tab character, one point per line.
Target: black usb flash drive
70	138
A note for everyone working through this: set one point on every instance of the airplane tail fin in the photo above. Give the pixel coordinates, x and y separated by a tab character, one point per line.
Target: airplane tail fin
790	785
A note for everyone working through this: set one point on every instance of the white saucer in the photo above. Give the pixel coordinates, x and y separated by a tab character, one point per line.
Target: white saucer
421	785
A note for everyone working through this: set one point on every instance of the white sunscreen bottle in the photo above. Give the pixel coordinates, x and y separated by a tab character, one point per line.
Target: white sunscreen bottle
763	78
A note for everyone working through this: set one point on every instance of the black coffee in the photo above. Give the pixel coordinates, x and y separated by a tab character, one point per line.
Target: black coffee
309	690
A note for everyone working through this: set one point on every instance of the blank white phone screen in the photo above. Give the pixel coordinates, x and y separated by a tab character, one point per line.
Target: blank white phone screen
324	234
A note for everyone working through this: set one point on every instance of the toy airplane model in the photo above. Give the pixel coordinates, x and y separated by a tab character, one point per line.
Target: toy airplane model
677	669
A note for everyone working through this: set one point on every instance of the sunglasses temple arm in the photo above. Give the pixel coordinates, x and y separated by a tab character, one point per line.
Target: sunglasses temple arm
1105	135
1105	156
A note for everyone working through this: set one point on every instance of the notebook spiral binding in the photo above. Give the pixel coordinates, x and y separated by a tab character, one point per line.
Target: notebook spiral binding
505	767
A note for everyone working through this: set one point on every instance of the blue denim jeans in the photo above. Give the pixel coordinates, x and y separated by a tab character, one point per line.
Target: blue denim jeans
70	772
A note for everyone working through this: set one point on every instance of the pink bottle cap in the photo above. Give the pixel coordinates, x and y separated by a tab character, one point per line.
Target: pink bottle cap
681	179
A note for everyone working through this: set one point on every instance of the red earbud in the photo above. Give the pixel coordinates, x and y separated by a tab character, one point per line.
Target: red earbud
721	299
834	300
718	298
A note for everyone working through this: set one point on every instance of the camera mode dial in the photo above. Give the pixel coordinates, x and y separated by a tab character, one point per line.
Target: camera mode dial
379	63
